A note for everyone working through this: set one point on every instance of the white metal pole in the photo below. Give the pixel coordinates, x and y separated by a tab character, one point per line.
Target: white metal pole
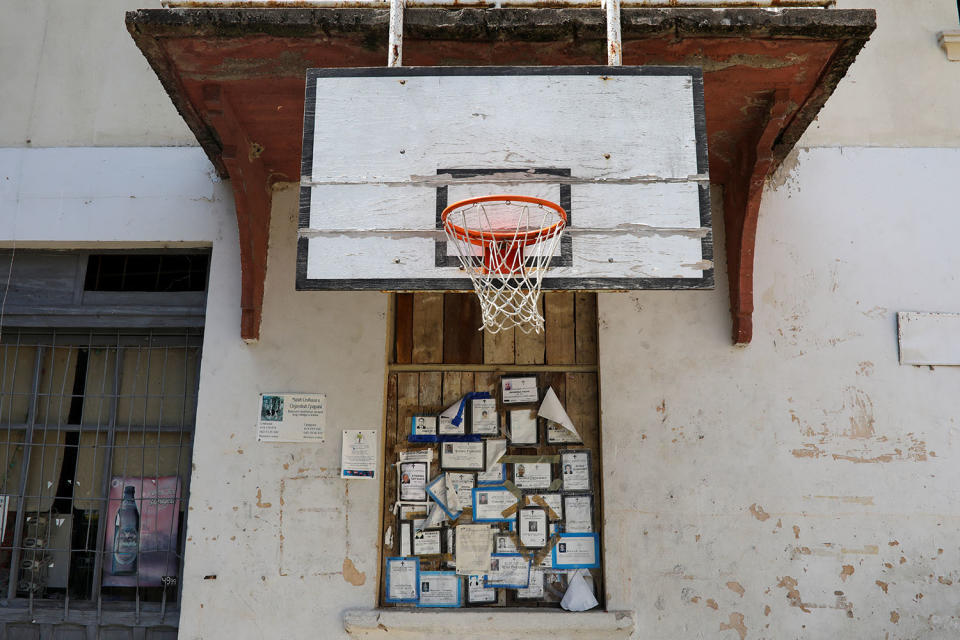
614	41
395	54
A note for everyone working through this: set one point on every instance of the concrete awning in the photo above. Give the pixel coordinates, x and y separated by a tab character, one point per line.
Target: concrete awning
237	76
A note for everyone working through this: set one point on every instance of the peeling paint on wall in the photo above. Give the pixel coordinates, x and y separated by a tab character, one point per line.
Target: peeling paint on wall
736	624
351	575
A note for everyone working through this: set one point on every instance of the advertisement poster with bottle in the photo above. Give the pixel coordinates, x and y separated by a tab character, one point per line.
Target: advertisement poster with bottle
143	519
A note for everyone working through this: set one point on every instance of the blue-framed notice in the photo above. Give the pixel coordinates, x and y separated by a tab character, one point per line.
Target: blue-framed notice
443	505
440	589
489	502
576	551
403	580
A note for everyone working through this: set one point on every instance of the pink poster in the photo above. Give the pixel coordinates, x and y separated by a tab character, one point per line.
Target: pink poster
143	517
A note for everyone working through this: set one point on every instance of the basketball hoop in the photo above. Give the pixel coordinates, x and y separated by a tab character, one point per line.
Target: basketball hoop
505	244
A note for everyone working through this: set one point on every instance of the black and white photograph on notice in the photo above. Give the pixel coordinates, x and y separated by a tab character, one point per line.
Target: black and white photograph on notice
413	481
532	475
477	593
532	525
576	470
519	390
427	542
484	418
463	456
423	426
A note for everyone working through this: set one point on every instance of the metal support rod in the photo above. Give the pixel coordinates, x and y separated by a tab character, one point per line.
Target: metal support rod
104	502
395	54
24	474
614	41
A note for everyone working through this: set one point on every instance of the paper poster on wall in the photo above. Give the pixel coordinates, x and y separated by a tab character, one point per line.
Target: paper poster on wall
292	417
358	457
143	522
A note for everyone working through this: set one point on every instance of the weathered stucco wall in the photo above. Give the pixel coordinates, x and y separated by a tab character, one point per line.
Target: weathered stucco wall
902	91
71	76
804	486
289	543
808	473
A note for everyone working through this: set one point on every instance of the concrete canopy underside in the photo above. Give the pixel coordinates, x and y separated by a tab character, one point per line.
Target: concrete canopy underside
237	76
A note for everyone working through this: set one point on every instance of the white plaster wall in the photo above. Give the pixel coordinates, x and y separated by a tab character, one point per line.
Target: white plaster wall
808	472
71	75
713	454
291	545
901	91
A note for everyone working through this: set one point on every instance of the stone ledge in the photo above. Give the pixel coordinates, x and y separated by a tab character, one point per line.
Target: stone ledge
487	623
950	42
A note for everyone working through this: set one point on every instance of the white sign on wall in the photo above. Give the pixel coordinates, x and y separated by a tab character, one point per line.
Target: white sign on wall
358	457
292	417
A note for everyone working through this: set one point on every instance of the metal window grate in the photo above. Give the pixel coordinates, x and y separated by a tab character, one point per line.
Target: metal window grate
85	416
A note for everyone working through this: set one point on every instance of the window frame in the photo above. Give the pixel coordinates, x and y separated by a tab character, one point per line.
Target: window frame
116	342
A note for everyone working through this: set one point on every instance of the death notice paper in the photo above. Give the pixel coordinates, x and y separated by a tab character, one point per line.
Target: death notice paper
474	543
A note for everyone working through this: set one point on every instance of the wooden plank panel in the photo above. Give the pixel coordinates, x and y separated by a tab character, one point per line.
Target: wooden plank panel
601	135
498	348
388	520
557	380
601	259
408	393
558	316
467	382
403	350
530	347
486	381
585	316
431	387
451	387
462	340
582	407
427	328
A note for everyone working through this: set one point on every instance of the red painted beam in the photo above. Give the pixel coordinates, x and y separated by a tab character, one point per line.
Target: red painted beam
766	75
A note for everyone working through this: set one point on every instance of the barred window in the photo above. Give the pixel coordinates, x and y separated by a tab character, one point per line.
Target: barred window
96	432
96	438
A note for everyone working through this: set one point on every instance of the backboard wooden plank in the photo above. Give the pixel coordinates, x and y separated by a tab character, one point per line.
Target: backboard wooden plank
621	149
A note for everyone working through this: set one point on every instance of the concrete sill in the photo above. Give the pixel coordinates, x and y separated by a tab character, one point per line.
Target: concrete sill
488	623
950	42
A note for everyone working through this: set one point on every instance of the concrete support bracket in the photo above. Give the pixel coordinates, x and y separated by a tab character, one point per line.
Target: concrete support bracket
741	207
248	178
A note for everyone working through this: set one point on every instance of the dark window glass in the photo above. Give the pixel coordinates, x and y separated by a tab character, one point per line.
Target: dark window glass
147	272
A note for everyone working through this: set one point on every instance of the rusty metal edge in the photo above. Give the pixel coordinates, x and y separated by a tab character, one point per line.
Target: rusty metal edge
829	79
439	22
158	60
853	27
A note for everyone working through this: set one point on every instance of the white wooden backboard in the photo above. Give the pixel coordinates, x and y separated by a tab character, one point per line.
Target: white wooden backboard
622	149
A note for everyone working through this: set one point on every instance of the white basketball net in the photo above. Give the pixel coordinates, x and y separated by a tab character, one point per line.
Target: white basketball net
505	246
